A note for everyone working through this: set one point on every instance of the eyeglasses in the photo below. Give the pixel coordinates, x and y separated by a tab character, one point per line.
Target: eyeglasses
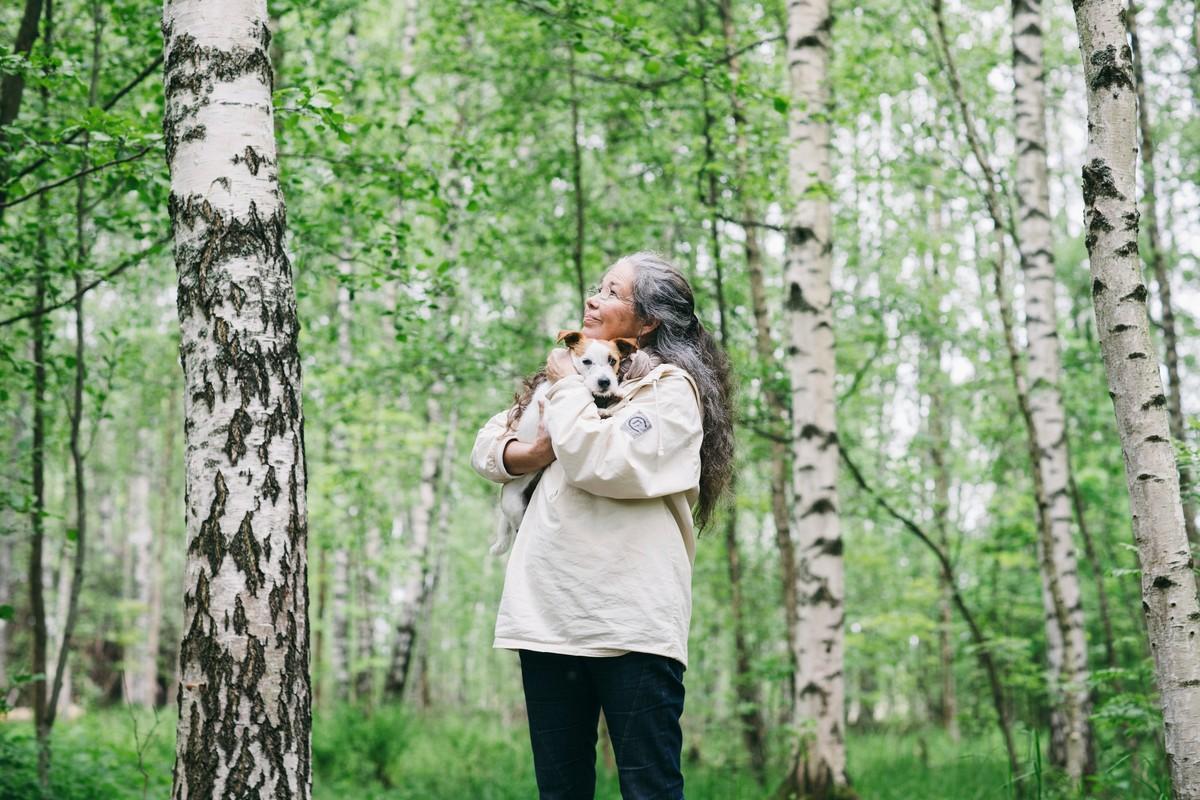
607	294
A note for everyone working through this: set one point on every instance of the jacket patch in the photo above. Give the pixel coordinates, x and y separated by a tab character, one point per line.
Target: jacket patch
636	425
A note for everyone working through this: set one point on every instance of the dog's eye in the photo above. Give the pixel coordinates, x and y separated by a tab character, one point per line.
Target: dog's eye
587	362
612	362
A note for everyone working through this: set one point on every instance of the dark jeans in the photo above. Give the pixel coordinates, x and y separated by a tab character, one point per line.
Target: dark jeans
642	698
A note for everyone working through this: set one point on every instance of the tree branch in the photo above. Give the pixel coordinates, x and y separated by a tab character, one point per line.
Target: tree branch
112	273
150	69
55	184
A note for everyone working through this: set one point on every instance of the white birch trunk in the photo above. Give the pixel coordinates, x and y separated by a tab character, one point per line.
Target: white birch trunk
1068	660
412	593
141	669
244	694
339	607
818	766
1169	601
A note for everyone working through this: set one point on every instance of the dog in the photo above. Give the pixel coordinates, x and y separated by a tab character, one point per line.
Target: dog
599	362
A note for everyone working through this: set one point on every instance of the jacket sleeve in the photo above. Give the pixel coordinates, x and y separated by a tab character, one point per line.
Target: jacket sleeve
487	456
649	448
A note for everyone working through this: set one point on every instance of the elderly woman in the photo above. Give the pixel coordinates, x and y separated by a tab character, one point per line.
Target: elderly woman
597	592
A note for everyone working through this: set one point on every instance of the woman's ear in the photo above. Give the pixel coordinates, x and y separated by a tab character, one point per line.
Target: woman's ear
648	328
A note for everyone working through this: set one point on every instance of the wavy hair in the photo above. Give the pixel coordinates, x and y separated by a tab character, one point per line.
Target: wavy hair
662	294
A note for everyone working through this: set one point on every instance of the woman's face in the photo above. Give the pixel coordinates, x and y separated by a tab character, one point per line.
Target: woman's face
609	314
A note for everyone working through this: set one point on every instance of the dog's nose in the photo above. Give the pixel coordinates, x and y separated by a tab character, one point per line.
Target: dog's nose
603	383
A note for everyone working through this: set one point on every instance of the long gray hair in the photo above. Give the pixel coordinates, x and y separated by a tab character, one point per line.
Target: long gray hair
661	293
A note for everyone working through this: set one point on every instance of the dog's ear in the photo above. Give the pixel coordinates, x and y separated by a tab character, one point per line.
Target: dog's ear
569	338
625	346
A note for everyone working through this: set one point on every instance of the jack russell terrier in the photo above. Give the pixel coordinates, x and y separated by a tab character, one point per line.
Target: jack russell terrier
599	361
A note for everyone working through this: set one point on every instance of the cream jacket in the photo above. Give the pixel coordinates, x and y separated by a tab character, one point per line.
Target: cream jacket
602	563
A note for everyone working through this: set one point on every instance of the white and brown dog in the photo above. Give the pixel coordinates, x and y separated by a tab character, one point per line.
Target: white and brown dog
598	361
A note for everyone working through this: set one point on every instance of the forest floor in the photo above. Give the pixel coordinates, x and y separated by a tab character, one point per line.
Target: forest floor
396	756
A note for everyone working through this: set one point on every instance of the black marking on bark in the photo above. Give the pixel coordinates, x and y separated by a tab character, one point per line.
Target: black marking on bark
270	486
239	427
821	506
822	596
1131	220
1133	356
830	547
1163	582
1097	287
237	784
1154	402
222	240
1110	70
1139	294
209	541
208	394
1098	182
275	602
240	623
237	297
796	300
1130	248
246	551
1121	327
1154	437
250	158
191	72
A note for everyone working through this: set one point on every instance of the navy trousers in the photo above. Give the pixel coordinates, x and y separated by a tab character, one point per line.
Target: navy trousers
642	698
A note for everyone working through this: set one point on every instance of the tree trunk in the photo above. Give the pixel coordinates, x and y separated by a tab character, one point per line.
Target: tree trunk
577	245
764	345
818	764
367	587
1169	600
12	86
939	443
1045	395
416	583
1161	279
142	670
244	695
339	610
37	597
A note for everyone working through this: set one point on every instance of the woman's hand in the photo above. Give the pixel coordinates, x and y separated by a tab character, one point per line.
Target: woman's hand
559	364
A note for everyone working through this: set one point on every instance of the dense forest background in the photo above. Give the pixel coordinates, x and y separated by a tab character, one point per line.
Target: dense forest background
456	174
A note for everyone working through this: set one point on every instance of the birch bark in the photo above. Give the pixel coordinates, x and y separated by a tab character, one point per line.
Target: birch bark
1069	668
141	666
818	764
244	694
1169	601
1159	268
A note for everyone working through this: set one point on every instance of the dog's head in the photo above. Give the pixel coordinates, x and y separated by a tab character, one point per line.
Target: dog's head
597	360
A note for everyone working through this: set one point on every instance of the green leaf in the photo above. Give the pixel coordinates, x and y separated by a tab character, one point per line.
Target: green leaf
653	67
72	534
6	612
781	104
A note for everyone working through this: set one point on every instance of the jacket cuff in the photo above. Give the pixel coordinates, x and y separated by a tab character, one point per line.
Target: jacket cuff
495	459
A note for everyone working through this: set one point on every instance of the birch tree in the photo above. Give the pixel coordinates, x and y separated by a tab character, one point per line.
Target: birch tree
1068	664
818	763
244	693
1169	602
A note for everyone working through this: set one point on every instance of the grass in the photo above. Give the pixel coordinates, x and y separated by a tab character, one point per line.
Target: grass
394	755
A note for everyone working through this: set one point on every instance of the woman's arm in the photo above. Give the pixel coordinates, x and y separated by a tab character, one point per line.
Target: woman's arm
523	457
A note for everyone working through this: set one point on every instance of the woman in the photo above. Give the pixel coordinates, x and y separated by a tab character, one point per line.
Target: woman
597	592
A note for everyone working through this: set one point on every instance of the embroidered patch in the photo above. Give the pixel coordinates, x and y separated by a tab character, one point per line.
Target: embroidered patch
636	425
